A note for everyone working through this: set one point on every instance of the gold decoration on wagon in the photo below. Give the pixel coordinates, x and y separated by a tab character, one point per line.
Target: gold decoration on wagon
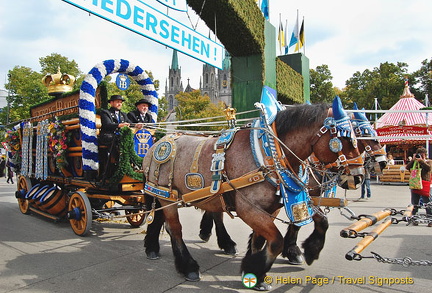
58	83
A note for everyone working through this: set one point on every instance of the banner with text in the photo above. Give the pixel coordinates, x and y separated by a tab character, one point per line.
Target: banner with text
179	5
149	22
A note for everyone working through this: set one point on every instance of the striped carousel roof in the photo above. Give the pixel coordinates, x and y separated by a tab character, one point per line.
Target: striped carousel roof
407	101
400	124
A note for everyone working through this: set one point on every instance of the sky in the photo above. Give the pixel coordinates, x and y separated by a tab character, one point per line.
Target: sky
348	36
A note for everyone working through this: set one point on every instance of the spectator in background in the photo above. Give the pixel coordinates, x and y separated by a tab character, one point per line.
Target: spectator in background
423	194
9	173
409	159
2	166
390	160
365	188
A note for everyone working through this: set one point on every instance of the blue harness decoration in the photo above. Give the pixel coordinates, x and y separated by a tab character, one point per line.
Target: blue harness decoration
218	161
294	193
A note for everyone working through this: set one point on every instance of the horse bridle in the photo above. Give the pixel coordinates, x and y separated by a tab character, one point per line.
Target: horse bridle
330	125
364	129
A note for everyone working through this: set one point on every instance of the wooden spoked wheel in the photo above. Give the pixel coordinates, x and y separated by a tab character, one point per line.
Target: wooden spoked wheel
135	220
24	185
79	213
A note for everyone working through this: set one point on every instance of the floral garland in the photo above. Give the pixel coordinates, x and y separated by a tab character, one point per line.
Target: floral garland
58	141
12	138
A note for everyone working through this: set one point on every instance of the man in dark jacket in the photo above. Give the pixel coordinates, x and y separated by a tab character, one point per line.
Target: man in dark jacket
141	113
112	120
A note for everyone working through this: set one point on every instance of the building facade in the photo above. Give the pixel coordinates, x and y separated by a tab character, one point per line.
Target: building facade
214	82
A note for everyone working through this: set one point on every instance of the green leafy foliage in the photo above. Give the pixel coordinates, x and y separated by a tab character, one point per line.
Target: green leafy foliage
127	159
321	86
245	16
194	106
25	89
385	83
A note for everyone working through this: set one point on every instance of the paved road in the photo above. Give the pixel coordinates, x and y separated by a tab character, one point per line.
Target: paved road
38	255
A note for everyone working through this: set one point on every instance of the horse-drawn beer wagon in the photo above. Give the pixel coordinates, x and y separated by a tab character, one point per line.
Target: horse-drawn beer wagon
55	154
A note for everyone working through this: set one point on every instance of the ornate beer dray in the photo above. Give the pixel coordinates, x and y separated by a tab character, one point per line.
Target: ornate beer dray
55	154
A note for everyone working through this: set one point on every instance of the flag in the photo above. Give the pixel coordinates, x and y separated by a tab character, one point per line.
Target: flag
265	8
301	39
285	35
294	36
281	36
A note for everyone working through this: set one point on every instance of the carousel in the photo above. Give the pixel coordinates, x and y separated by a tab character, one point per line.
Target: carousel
409	129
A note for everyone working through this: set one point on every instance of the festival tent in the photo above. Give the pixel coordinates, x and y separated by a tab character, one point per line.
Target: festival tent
404	124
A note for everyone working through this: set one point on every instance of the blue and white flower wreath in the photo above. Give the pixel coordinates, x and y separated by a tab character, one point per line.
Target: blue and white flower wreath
87	107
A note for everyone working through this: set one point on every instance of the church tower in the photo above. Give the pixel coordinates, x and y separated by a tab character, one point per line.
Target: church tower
224	81
208	84
174	85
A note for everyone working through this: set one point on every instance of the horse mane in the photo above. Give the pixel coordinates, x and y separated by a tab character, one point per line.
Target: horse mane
299	116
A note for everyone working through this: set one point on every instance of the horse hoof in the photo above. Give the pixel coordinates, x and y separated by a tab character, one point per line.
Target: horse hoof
297	259
204	237
262	287
193	277
231	250
153	255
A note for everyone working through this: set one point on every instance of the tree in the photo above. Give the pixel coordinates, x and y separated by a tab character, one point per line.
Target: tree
385	83
194	106
321	86
423	80
25	90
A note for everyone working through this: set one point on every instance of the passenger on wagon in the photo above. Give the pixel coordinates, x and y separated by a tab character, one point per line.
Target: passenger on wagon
141	113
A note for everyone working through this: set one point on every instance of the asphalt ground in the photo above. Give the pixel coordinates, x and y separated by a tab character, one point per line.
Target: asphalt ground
40	255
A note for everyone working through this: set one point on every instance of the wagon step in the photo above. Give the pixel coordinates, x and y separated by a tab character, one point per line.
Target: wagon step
42	213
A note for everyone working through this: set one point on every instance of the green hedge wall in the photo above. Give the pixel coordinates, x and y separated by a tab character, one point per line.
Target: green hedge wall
289	84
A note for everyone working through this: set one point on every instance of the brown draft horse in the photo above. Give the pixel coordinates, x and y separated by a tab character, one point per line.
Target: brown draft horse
375	161
299	129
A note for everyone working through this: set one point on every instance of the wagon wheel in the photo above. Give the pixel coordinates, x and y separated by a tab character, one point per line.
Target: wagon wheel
24	185
136	220
80	214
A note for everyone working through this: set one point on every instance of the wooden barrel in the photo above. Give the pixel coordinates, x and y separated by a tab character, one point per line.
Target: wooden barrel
38	195
53	201
32	192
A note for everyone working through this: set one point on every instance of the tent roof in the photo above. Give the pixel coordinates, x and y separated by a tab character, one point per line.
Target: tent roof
407	101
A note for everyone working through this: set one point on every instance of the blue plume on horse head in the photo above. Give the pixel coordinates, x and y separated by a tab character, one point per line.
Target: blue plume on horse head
360	116
343	123
338	110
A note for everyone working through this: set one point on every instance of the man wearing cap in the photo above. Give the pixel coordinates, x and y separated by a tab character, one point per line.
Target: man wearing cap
141	114
112	120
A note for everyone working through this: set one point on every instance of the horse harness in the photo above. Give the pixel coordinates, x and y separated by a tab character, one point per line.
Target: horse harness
165	152
269	157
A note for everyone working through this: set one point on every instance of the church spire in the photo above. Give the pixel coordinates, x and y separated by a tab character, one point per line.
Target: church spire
174	61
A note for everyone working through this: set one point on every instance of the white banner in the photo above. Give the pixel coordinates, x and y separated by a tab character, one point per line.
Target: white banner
179	5
148	22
